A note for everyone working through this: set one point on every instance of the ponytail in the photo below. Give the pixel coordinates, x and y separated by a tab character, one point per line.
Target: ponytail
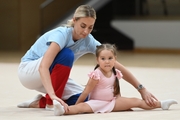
116	84
96	66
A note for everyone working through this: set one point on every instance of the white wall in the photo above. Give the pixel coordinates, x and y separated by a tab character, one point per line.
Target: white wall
151	34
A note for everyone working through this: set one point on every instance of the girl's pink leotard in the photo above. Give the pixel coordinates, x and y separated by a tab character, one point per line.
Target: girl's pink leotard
102	99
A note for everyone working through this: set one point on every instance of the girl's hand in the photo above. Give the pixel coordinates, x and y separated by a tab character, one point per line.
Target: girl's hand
148	97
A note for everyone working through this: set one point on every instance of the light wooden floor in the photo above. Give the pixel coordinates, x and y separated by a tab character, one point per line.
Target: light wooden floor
159	73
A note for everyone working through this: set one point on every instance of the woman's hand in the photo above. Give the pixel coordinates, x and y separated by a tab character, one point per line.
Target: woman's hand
66	108
148	97
54	97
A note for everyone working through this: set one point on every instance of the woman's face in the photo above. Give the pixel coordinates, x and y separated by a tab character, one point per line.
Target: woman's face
82	27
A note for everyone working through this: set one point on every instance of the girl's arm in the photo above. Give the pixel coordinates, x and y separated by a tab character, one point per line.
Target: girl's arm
89	87
128	76
45	64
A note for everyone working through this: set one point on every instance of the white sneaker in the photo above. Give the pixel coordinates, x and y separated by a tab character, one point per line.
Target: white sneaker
49	108
26	104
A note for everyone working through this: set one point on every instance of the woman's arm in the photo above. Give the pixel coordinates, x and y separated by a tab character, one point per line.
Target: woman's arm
89	87
45	64
128	76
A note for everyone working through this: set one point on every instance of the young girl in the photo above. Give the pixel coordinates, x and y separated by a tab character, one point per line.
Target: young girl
104	91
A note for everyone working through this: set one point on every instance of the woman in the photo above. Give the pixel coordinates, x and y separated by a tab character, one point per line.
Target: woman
47	64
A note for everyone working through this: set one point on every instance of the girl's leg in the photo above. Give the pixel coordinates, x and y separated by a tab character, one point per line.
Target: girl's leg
79	108
73	109
59	70
123	103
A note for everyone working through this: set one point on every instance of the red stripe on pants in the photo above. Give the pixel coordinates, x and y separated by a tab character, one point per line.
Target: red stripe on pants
59	77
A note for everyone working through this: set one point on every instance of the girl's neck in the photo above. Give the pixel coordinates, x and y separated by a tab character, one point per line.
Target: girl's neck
106	73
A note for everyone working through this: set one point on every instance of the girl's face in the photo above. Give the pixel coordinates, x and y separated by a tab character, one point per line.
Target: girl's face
106	60
82	27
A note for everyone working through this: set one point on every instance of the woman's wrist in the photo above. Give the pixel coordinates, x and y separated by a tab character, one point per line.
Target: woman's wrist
52	95
143	90
140	87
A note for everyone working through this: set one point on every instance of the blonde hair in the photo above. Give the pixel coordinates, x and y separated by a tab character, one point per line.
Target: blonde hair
82	11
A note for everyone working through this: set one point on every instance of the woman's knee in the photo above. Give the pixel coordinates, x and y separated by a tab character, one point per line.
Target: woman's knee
65	57
67	53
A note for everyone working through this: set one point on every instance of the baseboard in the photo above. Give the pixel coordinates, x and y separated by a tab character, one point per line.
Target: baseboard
157	50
